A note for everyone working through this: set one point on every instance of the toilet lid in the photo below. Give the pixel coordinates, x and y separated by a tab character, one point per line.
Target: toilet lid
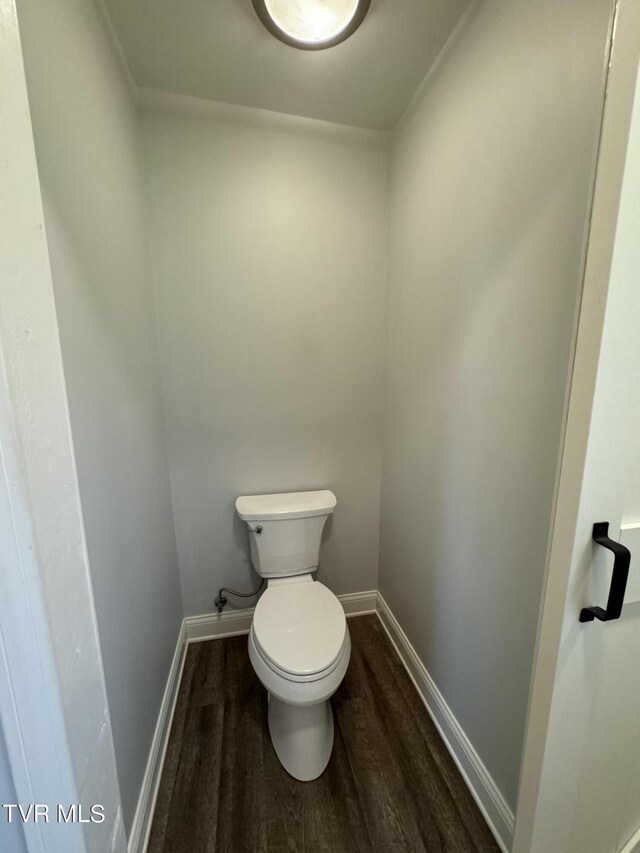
300	627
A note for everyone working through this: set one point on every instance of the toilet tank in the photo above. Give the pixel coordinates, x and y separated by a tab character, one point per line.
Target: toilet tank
285	530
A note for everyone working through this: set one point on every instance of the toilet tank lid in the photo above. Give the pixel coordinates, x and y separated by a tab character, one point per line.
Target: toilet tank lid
288	505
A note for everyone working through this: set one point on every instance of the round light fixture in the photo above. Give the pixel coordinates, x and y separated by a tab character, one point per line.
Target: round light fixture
311	24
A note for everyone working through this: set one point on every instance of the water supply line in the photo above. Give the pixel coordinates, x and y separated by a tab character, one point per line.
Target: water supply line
221	599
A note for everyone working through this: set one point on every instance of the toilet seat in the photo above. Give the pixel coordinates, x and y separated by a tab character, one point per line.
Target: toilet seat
300	630
300	690
306	679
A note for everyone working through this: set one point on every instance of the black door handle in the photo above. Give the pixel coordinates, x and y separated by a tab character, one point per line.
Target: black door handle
622	559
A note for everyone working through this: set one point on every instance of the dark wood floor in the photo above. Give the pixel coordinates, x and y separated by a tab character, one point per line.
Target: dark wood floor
390	785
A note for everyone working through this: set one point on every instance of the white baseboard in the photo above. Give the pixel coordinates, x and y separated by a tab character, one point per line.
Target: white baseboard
211	626
215	626
218	625
489	799
139	836
359	603
633	844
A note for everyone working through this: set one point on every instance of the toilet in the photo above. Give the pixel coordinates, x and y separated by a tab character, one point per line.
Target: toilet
299	643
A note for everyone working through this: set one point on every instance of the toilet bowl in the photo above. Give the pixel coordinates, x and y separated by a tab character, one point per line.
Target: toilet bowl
299	643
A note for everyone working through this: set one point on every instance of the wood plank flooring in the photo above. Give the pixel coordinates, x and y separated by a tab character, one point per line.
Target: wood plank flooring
390	784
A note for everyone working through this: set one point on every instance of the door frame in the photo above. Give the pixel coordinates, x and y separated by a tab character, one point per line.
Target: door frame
620	90
53	704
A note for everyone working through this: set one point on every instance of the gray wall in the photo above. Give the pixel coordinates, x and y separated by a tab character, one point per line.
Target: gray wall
11	834
88	151
490	170
269	245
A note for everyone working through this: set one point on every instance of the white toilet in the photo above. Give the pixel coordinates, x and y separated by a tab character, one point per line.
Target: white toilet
299	642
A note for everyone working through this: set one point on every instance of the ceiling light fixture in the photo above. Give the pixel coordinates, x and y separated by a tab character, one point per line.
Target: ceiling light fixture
311	24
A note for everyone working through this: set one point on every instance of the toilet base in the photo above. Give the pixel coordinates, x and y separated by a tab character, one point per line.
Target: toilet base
302	737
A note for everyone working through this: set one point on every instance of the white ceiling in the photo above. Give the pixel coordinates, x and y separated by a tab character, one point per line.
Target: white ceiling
219	50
